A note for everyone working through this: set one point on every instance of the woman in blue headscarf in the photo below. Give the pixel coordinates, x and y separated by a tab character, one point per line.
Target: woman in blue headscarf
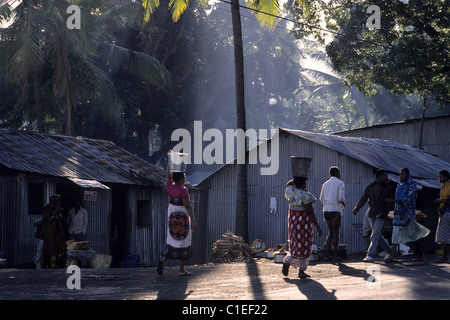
405	227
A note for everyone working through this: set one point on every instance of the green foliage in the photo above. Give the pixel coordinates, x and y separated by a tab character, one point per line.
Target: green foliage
407	55
37	47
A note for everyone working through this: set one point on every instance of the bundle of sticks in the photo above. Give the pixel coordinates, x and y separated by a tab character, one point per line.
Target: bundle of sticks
230	248
80	245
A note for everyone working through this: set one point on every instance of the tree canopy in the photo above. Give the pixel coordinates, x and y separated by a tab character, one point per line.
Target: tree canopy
111	101
408	54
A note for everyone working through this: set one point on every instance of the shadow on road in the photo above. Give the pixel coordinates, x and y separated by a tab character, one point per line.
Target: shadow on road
354	272
175	291
426	280
312	289
257	286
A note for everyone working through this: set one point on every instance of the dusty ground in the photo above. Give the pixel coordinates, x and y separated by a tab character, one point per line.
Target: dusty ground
257	279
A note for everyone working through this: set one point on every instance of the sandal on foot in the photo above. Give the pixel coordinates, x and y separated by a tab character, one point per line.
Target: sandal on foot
303	275
185	273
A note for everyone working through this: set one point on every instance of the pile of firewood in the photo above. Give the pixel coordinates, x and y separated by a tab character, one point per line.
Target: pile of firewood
80	245
230	248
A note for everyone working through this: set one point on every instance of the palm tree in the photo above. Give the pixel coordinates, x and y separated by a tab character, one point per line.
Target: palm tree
36	34
267	12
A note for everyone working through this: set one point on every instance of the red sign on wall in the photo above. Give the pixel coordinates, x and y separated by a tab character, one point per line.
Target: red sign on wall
90	195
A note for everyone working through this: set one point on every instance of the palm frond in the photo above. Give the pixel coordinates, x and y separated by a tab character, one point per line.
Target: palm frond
5	12
138	63
121	12
322	89
150	6
267	12
111	104
203	3
177	7
20	48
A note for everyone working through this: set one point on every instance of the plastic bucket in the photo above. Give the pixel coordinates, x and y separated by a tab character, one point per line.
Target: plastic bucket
278	257
300	166
178	161
131	261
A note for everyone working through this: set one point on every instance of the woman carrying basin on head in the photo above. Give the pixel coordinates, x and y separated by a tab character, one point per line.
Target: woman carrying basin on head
181	222
301	222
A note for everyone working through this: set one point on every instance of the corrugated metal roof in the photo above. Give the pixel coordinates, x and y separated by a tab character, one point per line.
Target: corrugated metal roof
75	157
384	154
88	183
197	177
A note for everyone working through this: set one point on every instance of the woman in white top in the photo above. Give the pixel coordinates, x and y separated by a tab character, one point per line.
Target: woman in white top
332	197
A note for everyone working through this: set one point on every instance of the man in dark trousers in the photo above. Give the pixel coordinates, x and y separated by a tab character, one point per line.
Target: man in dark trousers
376	192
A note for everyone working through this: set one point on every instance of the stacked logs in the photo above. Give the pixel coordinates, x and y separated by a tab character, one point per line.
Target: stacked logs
230	248
80	245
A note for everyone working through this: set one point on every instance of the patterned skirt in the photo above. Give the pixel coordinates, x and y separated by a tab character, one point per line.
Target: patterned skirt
411	232
301	236
178	241
443	229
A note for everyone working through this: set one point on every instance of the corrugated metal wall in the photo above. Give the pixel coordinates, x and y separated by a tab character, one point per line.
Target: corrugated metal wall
10	214
272	227
99	221
148	241
221	207
436	134
17	226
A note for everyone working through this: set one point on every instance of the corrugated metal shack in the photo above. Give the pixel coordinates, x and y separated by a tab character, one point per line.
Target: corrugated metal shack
124	195
435	139
358	159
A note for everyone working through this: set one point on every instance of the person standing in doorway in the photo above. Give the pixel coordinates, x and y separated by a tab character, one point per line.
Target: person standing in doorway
77	220
376	192
332	197
54	250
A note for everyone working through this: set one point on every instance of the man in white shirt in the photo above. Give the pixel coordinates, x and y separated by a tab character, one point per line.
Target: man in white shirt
77	221
332	197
